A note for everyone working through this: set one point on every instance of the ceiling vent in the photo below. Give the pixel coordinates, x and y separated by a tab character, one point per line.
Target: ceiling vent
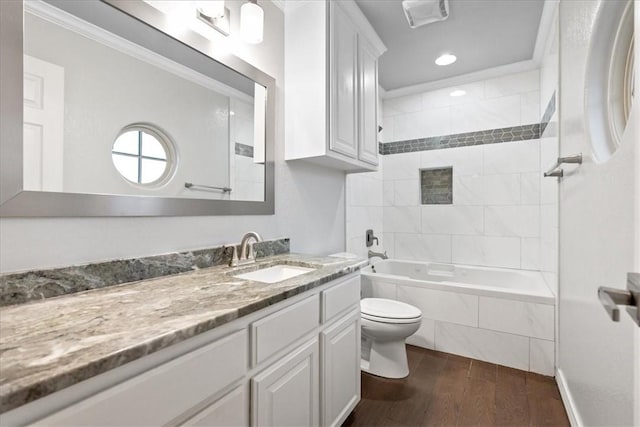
422	12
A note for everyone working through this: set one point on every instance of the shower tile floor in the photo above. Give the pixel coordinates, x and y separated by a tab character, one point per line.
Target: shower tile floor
448	390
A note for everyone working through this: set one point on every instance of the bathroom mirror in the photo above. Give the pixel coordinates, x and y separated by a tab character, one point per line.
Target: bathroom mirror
126	113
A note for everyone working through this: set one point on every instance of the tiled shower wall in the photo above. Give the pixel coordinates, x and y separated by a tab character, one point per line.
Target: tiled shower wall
495	215
364	210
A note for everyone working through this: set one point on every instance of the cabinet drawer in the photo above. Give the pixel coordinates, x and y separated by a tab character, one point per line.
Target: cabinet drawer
275	332
340	298
231	410
160	395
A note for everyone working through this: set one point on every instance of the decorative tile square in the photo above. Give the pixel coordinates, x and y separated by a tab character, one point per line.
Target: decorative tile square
436	186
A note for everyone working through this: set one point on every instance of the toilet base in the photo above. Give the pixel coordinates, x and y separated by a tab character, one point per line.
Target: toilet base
387	359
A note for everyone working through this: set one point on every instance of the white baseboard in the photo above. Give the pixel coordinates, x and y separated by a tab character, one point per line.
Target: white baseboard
567	399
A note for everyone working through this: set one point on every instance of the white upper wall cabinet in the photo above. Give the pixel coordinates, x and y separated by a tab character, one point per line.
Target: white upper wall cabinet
331	85
368	90
343	63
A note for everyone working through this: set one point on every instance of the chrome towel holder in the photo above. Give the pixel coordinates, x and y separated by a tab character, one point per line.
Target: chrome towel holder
558	172
210	187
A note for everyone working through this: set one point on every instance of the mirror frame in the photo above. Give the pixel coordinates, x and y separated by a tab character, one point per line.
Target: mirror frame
17	202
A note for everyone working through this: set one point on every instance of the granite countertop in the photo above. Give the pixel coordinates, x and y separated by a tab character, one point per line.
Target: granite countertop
48	345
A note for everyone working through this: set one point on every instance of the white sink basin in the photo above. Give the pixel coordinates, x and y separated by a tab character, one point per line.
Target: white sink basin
274	274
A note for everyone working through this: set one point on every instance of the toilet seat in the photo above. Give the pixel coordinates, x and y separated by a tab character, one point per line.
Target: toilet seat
388	311
390	320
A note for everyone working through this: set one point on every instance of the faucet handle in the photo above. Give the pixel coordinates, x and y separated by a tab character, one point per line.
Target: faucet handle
234	255
251	254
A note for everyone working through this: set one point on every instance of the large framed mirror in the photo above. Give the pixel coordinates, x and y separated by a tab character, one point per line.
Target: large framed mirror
113	110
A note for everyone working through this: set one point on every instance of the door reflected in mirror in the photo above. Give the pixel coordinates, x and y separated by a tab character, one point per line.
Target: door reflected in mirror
105	115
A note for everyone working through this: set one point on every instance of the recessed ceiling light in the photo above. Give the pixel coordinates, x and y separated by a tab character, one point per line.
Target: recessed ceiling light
446	59
458	92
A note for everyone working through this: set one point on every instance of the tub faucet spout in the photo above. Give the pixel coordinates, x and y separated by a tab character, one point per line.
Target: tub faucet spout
372	254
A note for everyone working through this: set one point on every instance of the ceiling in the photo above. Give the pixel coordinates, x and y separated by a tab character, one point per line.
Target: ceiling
481	33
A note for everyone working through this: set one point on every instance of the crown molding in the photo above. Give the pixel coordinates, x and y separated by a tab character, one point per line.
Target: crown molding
363	25
549	11
279	4
382	93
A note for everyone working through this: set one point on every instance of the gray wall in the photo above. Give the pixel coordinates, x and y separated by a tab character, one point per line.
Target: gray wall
309	201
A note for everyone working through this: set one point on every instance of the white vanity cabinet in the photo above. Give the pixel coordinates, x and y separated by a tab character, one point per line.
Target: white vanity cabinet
331	85
294	363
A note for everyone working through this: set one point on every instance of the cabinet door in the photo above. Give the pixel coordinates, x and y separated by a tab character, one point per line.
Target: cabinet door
340	369
287	393
368	99
343	98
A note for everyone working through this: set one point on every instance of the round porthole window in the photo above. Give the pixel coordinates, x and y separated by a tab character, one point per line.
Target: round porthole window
143	155
610	76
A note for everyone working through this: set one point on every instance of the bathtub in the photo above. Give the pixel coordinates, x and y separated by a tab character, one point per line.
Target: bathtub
497	315
518	285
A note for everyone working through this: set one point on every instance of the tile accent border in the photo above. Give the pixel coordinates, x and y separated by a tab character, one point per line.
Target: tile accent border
548	114
18	288
244	150
491	136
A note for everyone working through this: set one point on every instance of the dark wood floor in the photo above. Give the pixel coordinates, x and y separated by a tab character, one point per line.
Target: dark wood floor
447	390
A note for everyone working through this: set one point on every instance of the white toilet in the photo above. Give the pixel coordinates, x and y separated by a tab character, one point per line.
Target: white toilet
385	326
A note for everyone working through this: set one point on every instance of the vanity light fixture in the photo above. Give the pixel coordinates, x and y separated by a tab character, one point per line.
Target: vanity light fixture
211	8
446	59
214	14
251	22
458	92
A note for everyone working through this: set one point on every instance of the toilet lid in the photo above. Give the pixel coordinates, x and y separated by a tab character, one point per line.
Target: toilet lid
388	309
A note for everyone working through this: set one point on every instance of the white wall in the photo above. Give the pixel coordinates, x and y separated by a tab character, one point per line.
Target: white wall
309	201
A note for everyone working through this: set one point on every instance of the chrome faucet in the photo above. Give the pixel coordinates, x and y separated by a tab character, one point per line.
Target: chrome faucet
372	254
247	255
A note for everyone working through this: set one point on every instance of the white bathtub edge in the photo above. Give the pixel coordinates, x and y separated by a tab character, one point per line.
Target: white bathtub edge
462	288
